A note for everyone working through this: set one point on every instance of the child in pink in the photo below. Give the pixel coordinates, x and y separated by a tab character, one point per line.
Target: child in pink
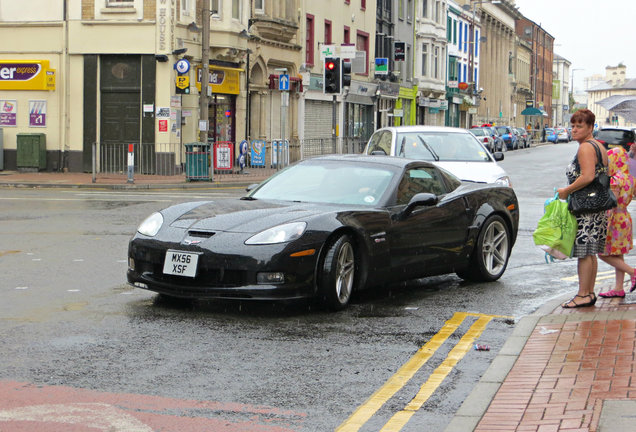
619	225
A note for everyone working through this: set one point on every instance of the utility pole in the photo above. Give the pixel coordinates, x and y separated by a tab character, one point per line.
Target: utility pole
205	72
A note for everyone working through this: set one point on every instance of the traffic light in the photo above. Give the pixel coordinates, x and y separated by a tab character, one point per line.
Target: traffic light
346	74
331	75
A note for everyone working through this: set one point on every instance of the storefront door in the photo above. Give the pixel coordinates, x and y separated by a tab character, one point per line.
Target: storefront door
222	118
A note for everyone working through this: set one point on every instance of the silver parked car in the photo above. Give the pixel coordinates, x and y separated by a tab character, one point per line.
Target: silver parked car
455	150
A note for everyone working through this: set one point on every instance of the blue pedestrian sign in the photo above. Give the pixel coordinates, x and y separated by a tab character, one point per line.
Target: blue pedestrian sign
283	82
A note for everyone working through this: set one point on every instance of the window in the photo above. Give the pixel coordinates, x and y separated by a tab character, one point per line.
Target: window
449	29
409	71
461	29
437	11
454	32
436	63
236	9
346	37
363	4
362	44
419	180
409	9
401	9
347	1
425	8
185	9
259	6
328	39
309	40
215	7
466	30
425	60
476	43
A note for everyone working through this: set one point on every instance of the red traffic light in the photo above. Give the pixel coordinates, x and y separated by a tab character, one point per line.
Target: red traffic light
330	65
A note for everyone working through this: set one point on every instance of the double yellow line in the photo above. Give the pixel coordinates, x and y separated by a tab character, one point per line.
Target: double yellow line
361	415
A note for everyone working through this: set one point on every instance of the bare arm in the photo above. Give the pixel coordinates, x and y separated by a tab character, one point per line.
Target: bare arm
587	161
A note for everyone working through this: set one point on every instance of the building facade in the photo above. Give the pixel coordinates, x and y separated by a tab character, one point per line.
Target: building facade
561	91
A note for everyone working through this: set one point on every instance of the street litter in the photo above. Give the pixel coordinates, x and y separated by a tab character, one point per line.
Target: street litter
482	347
545	331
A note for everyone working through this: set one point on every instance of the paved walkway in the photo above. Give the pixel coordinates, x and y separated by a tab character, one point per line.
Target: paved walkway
561	369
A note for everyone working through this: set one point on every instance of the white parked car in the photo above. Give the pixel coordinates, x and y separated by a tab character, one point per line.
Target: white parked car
453	149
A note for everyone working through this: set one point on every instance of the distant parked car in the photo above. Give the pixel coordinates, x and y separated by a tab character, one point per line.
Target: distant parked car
616	136
508	137
483	135
562	134
551	135
524	138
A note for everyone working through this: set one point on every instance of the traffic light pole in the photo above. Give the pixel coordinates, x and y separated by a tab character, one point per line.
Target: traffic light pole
334	120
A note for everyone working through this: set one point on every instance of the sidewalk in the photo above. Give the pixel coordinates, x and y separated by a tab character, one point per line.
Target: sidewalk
44	179
561	370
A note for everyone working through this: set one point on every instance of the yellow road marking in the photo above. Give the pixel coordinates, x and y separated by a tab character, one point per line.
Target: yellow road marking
599	276
9	252
364	412
399	419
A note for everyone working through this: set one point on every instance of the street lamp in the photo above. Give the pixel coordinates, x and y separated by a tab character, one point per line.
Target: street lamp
205	70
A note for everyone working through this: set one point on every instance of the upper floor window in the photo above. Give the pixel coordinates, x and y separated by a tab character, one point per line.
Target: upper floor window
215	7
401	9
346	37
259	6
236	9
436	63
363	4
425	8
409	9
309	40
362	44
328	39
185	8
425	60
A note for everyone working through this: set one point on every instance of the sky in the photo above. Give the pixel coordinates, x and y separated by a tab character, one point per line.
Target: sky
591	34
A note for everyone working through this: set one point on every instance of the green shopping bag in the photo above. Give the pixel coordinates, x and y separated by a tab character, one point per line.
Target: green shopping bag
556	229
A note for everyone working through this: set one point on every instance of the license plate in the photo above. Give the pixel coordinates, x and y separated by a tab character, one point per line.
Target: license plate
180	263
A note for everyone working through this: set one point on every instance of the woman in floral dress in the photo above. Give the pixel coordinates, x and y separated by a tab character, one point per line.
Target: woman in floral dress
619	227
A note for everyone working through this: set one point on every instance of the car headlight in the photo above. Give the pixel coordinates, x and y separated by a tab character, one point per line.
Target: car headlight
150	226
504	181
278	234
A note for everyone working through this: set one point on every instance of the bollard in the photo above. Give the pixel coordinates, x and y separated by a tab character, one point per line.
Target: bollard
131	163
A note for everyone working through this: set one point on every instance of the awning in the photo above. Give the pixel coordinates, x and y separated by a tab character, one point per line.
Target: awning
531	111
623	105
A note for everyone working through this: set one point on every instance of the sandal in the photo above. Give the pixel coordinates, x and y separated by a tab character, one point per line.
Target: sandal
566	305
633	287
593	298
612	293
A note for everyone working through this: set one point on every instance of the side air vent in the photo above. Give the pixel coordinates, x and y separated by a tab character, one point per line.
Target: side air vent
200	234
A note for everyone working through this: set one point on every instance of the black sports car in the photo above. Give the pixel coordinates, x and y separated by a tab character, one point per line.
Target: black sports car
326	227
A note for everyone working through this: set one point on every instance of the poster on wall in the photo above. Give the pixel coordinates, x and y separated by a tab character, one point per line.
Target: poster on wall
8	112
37	113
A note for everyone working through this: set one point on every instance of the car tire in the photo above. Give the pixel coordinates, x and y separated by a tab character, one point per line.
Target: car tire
337	273
491	254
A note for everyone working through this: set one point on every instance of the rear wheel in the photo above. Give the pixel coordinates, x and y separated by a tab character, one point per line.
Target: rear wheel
491	254
336	280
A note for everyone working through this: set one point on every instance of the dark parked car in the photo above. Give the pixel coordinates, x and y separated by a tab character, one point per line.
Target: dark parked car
508	136
615	136
523	137
325	228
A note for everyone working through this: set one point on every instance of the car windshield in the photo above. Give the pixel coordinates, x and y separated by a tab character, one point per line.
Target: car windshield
335	182
502	130
478	132
441	146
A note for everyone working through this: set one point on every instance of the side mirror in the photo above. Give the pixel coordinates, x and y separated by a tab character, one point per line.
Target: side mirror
250	187
499	156
424	199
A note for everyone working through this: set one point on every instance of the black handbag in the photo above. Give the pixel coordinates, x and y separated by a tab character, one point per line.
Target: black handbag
596	196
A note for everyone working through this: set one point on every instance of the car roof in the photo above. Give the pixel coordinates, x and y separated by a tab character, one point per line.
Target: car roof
617	128
419	128
393	161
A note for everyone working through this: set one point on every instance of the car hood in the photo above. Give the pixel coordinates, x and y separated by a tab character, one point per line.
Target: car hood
246	216
485	172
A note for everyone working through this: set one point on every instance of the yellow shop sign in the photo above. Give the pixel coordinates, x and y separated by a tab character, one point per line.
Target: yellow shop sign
222	80
26	75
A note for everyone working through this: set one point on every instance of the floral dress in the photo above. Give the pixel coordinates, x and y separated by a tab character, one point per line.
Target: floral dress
619	228
592	227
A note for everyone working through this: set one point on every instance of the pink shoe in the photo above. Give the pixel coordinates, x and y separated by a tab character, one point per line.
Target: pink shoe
633	287
612	293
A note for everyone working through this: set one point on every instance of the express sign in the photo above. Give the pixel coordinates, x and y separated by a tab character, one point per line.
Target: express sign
26	75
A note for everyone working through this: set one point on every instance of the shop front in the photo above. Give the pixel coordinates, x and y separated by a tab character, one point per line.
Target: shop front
359	110
224	83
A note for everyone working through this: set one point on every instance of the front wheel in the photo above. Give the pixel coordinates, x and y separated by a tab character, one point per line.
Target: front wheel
336	280
491	254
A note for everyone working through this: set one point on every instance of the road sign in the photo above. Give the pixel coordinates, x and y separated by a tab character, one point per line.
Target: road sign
283	82
183	84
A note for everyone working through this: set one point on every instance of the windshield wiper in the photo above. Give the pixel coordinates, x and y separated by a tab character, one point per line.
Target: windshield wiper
248	198
430	150
401	152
